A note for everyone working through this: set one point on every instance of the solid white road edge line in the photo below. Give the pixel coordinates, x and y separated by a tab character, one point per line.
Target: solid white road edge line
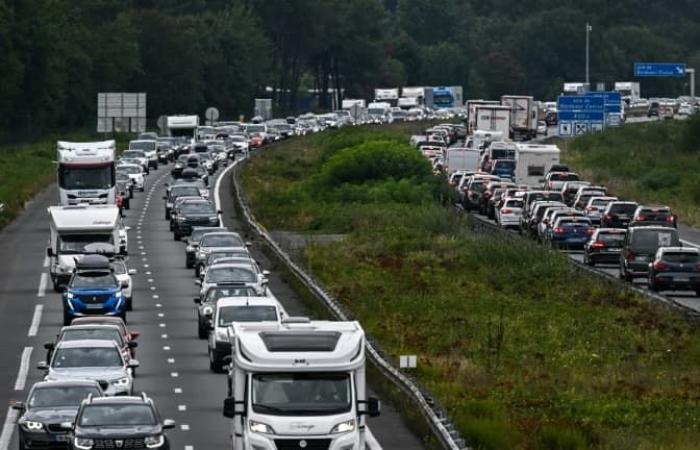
47	261
371	441
217	197
8	428
36	320
42	285
684	242
23	368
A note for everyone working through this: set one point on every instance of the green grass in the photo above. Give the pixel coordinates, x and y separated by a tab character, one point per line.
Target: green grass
523	351
26	169
657	162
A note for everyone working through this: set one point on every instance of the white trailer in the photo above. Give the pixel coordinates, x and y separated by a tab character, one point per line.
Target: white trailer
74	227
493	118
523	116
462	159
183	125
533	162
300	384
86	172
471	112
390	96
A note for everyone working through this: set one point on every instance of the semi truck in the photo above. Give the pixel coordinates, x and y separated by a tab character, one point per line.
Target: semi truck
183	126
390	96
471	112
86	172
492	118
447	97
575	88
298	384
523	116
629	90
416	97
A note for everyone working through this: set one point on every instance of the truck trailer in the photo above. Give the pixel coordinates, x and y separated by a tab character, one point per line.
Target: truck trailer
523	116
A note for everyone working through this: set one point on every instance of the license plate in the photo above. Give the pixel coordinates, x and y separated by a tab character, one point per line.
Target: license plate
93	307
615	250
642	258
63	438
683	279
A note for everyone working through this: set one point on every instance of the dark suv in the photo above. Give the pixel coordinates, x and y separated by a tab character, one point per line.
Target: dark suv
194	213
653	215
120	422
640	246
618	214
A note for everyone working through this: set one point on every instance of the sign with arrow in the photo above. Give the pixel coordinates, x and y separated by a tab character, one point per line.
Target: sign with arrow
649	69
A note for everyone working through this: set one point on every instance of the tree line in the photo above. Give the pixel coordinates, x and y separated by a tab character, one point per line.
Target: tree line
55	55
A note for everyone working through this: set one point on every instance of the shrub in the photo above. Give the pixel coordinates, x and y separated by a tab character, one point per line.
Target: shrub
552	438
659	179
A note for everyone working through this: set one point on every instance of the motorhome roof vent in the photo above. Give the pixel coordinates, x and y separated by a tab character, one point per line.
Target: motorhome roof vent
300	341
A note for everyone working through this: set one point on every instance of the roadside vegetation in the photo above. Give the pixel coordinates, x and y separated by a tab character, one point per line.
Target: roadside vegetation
27	169
657	162
523	351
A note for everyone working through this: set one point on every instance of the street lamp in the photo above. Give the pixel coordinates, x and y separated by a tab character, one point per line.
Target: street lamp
589	28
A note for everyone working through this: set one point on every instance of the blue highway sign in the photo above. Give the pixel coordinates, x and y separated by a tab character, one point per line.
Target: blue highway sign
580	103
647	69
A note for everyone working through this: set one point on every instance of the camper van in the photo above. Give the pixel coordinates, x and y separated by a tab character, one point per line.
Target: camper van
533	162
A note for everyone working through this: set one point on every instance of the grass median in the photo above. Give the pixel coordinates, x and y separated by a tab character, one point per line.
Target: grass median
26	169
657	162
522	351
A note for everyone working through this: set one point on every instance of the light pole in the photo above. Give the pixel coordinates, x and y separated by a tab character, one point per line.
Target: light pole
589	28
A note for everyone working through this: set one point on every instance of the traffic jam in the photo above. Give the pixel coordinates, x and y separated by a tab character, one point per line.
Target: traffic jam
89	395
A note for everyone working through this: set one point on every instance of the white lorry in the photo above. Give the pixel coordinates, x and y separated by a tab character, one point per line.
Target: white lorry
471	112
87	172
462	159
390	96
630	91
493	118
74	227
379	112
298	384
183	125
533	162
523	116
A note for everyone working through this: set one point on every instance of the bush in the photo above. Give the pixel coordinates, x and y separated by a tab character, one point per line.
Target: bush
659	179
690	136
552	438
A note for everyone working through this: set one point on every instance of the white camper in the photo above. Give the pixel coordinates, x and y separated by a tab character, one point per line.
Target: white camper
183	125
86	172
74	227
533	162
300	384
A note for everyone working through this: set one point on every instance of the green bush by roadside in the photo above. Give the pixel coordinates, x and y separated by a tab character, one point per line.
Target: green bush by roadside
522	351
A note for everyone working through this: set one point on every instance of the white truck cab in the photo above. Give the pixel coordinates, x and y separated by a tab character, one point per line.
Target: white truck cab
86	172
74	227
298	384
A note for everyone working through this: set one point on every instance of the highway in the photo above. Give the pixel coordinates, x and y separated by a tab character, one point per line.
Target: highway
174	367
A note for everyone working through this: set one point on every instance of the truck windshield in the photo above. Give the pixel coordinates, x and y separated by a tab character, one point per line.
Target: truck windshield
75	243
182	132
442	100
305	394
86	177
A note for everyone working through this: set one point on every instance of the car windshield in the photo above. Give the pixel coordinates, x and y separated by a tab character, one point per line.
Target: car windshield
107	334
220	292
219	240
75	243
182	191
478	187
197	208
145	145
503	153
65	358
119	268
504	164
563	177
129	169
214	257
600	202
655	215
57	396
301	393
255	128
652	239
252	313
117	415
681	257
133	154
94	280
223	274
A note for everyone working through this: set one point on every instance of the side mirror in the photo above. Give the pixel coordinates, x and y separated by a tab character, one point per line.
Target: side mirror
198	282
124	283
248	244
165	197
232	408
127	228
134	334
219	211
227	359
42	365
266	273
133	364
49	252
132	271
19	406
168	424
198	300
49	346
371	407
133	344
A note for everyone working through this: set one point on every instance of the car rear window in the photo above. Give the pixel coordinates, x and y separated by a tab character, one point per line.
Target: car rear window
623	208
655	238
514	203
655	215
563	177
681	257
612	239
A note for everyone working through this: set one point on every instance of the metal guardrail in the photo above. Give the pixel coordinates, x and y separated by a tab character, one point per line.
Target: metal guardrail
481	225
437	418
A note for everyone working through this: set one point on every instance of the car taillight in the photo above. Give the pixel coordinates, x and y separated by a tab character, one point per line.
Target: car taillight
697	267
598	245
641	218
660	266
607	217
506	211
590	231
631	256
558	230
670	219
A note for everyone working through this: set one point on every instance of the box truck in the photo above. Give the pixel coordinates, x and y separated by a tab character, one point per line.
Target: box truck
462	159
471	112
493	118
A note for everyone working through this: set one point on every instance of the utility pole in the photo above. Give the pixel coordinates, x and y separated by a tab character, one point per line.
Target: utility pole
589	28
691	73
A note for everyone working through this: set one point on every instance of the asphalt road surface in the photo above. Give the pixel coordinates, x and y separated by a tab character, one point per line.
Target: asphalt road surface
174	367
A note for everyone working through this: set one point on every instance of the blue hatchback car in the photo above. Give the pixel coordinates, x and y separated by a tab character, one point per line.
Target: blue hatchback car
93	290
570	232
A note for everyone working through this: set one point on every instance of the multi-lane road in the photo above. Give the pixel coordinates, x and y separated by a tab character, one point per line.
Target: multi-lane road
174	367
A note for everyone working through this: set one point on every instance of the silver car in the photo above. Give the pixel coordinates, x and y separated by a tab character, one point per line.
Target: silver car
91	359
216	240
233	273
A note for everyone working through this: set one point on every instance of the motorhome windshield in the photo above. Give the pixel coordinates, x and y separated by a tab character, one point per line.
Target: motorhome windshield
251	313
98	176
75	243
305	394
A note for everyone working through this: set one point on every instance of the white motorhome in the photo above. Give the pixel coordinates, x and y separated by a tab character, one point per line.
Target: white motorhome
533	162
183	125
298	384
462	159
86	172
493	118
74	227
523	116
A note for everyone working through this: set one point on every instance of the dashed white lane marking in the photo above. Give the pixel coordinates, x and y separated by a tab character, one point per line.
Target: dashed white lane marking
164	336
177	390
185	427
182	407
8	428
36	320
166	348
150	280
23	368
140	247
42	285
47	261
189	447
174	374
153	288
161	315
144	259
162	325
148	272
146	265
158	305
143	253
171	360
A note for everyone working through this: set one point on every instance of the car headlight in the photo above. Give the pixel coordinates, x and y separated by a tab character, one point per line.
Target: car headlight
221	335
259	427
344	427
30	425
64	269
181	219
69	296
189	249
118	294
154	441
123	381
83	443
207	311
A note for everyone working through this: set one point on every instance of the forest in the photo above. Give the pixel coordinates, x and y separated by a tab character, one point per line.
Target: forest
55	55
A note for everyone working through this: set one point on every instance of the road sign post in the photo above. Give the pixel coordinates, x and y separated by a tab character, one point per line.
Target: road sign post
212	115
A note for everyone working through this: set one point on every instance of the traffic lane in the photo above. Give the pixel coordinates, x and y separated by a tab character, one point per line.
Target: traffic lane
192	394
389	428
